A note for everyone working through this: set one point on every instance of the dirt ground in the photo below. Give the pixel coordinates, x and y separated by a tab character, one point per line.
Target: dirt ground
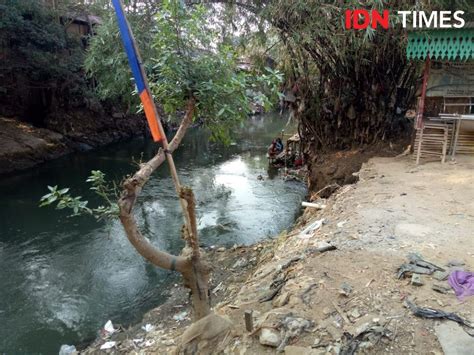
348	300
23	146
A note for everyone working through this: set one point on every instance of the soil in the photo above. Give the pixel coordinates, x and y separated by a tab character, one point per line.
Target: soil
338	167
23	146
343	300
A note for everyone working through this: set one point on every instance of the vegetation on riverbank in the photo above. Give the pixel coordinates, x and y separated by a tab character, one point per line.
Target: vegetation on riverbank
206	84
348	90
49	87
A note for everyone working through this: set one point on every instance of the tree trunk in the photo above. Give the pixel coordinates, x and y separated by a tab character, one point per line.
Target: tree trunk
190	263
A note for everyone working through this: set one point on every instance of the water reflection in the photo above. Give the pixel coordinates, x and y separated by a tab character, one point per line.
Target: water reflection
62	278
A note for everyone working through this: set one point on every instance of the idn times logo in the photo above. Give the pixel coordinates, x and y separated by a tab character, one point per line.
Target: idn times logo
361	19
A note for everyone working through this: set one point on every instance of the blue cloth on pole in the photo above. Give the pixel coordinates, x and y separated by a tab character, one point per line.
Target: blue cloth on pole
129	47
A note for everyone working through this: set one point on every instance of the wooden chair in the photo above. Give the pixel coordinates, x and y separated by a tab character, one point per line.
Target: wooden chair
432	141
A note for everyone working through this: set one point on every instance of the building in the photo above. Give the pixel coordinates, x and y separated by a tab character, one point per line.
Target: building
445	110
80	25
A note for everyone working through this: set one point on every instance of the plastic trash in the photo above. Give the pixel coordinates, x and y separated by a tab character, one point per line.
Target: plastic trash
462	283
148	327
108	345
109	327
426	312
180	316
67	349
309	231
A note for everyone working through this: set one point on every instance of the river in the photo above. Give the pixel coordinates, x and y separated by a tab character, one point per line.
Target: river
62	278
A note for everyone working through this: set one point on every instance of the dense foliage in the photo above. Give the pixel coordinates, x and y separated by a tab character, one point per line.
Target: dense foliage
106	60
184	57
39	58
353	86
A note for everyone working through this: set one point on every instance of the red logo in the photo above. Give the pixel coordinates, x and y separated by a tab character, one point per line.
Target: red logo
361	19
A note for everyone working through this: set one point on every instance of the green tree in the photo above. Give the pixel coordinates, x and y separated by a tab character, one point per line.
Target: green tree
183	58
39	58
190	71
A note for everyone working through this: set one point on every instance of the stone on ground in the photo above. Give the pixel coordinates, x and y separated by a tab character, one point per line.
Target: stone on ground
454	340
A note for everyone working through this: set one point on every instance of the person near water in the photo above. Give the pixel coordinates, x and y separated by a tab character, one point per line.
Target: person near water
278	145
271	148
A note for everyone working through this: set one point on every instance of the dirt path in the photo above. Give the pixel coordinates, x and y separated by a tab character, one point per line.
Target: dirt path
350	299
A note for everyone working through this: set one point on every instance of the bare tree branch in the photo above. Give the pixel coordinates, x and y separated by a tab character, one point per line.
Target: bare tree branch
131	190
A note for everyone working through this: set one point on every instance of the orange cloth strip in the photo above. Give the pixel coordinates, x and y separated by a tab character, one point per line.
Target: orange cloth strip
150	115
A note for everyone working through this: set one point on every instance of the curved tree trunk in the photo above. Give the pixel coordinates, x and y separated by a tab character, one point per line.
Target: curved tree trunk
190	263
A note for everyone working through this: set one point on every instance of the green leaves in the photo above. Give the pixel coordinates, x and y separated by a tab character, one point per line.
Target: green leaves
97	179
39	51
183	57
53	196
63	200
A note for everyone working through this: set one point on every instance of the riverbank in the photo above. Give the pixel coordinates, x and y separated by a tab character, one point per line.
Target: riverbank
305	301
23	146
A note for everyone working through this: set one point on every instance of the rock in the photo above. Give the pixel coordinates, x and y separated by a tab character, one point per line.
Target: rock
270	337
364	323
148	328
108	345
327	311
355	313
118	115
441	288
416	280
345	289
366	345
440	275
211	327
453	339
322	245
84	147
281	300
454	263
241	263
67	350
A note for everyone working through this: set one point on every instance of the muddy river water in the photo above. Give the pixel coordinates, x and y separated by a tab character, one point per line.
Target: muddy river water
62	278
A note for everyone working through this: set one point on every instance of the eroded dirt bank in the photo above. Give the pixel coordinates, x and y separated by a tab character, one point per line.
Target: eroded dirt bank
345	300
23	146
